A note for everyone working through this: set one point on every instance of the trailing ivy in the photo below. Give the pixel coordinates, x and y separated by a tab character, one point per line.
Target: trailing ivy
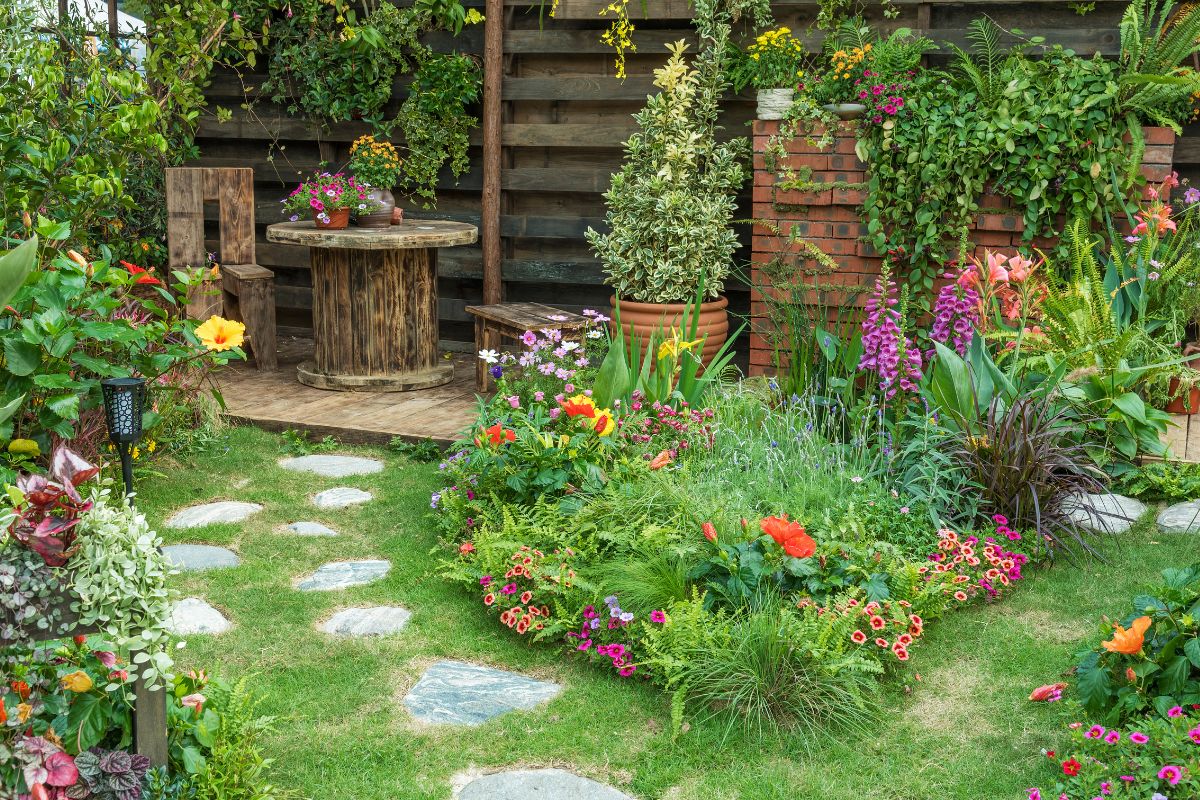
1046	133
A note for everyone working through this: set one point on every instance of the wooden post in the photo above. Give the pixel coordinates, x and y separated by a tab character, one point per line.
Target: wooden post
112	21
493	85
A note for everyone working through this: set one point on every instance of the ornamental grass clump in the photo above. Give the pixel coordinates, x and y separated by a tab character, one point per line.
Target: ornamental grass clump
671	206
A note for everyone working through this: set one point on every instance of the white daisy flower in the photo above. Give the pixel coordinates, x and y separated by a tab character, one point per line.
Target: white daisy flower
489	356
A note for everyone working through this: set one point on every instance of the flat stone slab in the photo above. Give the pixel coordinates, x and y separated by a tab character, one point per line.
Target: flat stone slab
344	574
311	529
1104	513
341	497
1180	518
200	557
375	621
193	615
333	466
213	513
458	693
538	784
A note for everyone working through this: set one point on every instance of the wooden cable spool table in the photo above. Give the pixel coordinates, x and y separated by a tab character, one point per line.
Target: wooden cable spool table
375	304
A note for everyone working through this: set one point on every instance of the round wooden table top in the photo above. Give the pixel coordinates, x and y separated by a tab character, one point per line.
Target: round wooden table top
409	234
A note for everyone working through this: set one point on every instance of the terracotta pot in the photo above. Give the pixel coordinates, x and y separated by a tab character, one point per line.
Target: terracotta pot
337	220
1186	403
382	217
644	319
1189	402
397	215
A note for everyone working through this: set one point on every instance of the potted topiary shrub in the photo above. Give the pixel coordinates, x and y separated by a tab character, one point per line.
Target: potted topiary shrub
671	207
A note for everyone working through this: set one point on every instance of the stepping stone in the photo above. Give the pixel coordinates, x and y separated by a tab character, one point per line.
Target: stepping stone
1104	513
340	497
458	693
212	513
192	615
311	529
1180	518
539	784
376	621
200	557
344	574
333	466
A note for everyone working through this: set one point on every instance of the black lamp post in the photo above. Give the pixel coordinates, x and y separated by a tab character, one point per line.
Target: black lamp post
123	399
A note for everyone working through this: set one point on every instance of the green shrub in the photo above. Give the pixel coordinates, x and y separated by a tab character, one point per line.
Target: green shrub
1160	480
1160	667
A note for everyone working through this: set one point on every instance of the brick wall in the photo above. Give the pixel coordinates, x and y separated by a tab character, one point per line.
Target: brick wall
829	218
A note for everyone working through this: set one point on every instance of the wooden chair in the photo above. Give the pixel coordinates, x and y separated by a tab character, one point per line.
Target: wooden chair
510	321
247	290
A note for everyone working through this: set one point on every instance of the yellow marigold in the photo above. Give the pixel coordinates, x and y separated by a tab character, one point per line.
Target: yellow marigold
78	681
221	334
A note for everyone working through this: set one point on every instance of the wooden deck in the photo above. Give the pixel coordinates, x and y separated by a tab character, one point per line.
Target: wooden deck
276	401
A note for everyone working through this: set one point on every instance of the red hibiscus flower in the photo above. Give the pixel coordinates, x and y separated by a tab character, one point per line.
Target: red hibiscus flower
1071	767
498	433
789	535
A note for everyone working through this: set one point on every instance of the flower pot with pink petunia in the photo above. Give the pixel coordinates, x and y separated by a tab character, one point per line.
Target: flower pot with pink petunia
330	200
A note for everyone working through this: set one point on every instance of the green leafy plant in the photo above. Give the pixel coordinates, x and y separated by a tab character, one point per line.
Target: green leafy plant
1160	480
1154	43
774	60
1151	663
671	205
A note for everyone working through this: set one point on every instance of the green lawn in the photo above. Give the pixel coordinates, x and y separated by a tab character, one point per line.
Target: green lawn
963	730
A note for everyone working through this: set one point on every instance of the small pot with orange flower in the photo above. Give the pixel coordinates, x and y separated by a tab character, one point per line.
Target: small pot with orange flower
377	166
330	199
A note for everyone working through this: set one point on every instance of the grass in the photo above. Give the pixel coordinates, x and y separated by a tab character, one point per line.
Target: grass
963	730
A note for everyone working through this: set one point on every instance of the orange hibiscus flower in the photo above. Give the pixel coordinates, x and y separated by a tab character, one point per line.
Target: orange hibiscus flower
498	433
661	460
1128	641
789	535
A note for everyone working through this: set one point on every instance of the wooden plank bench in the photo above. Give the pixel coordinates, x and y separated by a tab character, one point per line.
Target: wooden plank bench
510	321
247	289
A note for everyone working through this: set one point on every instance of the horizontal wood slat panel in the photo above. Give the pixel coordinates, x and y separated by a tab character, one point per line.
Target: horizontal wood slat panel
682	9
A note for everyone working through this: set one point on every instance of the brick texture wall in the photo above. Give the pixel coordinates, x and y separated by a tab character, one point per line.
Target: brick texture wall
829	218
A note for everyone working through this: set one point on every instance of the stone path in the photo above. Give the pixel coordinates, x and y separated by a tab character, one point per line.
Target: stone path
311	529
458	693
1103	513
537	784
344	574
375	621
341	497
193	615
200	557
448	693
333	466
1180	518
213	513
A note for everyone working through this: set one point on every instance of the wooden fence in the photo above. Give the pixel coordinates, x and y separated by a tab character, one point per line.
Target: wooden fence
563	120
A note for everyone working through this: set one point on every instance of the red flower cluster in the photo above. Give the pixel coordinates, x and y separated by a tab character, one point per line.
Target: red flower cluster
990	569
893	624
532	574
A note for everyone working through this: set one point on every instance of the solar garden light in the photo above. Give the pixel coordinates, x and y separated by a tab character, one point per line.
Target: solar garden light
123	400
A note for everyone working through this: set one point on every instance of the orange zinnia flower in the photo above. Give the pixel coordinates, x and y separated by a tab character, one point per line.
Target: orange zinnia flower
1128	641
789	535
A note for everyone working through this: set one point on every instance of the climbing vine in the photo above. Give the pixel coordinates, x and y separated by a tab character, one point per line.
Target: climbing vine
1047	133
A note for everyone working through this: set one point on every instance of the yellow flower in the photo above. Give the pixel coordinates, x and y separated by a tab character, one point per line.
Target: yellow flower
77	681
674	346
604	424
24	712
221	334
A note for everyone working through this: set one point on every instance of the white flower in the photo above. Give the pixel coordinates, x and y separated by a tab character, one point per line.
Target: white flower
569	346
362	206
594	334
489	356
856	479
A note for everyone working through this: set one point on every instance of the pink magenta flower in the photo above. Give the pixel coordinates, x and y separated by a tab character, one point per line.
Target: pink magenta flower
514	401
1137	737
1194	734
1171	774
106	658
1112	737
1035	794
1175	711
660	617
1095	732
